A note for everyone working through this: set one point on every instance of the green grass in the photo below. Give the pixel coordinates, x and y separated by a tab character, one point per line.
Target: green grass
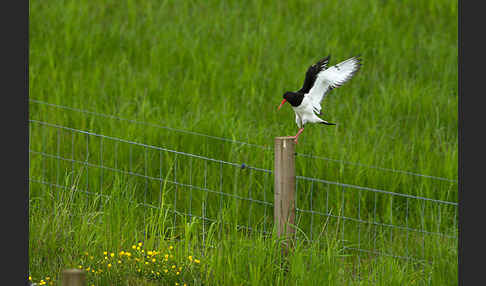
220	69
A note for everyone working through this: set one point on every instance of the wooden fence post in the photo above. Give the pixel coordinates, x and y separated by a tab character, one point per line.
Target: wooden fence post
73	277
284	176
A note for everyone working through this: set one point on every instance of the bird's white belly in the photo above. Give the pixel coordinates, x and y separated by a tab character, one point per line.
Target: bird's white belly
304	113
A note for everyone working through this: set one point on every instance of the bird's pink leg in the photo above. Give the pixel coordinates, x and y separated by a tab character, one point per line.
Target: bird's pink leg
298	133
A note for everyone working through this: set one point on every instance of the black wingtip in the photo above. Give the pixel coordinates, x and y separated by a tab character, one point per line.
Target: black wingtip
328	123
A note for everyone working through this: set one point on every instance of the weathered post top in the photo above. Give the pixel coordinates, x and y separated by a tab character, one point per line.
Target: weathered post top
73	277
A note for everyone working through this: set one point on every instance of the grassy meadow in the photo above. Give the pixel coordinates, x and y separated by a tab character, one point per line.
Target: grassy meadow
205	78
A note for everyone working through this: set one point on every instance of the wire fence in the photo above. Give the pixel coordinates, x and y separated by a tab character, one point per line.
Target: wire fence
368	222
232	141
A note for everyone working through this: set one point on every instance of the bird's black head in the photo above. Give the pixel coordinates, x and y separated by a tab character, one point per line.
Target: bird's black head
294	98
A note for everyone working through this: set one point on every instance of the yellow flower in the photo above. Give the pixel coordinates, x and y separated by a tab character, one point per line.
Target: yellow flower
30	278
171	247
121	253
165	270
106	258
80	267
128	254
146	263
173	266
138	247
139	244
177	273
190	258
105	253
109	265
166	256
88	269
149	252
134	247
196	260
47	278
153	260
112	254
119	261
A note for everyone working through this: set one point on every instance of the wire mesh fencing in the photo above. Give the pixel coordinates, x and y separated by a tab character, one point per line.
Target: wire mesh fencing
367	222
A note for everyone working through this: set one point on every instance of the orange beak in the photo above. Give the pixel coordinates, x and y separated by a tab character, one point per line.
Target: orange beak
283	101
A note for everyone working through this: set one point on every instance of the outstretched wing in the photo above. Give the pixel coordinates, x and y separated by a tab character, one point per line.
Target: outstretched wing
311	74
330	78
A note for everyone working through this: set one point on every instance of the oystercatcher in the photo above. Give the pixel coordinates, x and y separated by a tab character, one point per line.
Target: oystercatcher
319	80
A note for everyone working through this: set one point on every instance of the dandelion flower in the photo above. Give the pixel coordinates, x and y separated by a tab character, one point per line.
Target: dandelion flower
47	278
197	260
109	265
105	253
30	278
171	247
149	252
165	270
177	273
112	254
119	261
153	260
173	266
190	258
139	244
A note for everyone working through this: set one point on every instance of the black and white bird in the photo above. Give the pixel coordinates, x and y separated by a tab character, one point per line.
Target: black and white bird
319	80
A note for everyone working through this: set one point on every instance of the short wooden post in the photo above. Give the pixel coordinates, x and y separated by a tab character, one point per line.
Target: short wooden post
73	277
284	176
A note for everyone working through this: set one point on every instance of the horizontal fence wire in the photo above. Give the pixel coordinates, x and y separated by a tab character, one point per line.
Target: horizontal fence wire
114	117
367	221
